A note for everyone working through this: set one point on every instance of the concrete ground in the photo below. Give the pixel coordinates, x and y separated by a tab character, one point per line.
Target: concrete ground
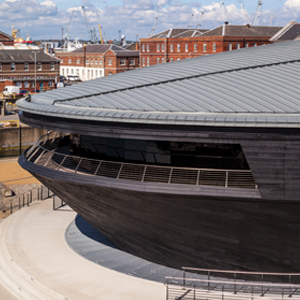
36	262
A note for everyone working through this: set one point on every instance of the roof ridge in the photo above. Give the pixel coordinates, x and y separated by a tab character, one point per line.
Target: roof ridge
281	32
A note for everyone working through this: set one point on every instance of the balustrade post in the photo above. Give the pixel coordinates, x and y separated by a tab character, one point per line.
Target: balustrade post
61	163
262	285
234	283
170	176
19	203
183	277
208	280
79	165
226	180
23	198
11	209
290	281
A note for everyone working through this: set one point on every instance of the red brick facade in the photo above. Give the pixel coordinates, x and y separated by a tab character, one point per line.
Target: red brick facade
6	40
160	50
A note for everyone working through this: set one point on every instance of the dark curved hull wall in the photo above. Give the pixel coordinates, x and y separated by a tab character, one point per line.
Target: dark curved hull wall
189	230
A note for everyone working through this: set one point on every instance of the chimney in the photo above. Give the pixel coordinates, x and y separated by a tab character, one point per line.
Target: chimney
137	46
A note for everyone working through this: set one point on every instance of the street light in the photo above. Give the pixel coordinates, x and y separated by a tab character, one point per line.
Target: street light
35	52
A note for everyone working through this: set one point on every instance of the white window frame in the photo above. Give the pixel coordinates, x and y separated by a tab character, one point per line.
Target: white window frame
26	66
178	47
157	60
148	47
40	66
171	48
122	62
143	61
12	66
69	60
143	47
195	47
77	61
50	84
26	85
230	46
132	62
214	47
186	47
148	61
204	47
157	47
162	47
238	46
109	62
52	66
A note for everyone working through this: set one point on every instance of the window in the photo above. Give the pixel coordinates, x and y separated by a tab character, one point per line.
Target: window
109	73
77	72
157	61
214	47
26	84
255	45
77	61
162	60
143	60
96	61
157	47
131	62
143	47
63	71
148	61
246	45
178	47
72	71
67	71
92	73
204	47
13	66
162	47
62	61
109	62
96	73
229	46
195	47
87	61
39	66
148	48
52	66
50	84
171	48
238	46
178	58
0	67
122	61
92	61
19	84
171	59
100	73
186	47
100	61
26	66
69	61
32	84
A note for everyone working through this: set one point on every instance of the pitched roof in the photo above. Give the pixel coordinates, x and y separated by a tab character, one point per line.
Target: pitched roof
25	55
98	48
128	53
172	32
257	86
190	33
288	33
9	37
242	30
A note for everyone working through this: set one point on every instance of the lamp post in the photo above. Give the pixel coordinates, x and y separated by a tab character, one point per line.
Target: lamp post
35	52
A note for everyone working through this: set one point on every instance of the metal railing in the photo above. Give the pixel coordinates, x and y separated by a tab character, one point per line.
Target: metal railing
232	285
44	153
25	199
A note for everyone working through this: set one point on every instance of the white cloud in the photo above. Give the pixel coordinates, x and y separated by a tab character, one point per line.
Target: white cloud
45	20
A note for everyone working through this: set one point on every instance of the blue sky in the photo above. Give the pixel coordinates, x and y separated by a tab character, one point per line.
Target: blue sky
43	19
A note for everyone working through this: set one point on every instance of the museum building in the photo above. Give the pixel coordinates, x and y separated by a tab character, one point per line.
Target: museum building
191	163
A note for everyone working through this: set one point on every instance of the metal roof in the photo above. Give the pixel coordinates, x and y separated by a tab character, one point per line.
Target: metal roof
256	86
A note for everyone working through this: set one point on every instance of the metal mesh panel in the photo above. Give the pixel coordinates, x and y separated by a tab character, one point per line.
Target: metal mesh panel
184	176
109	169
156	174
215	178
241	180
132	172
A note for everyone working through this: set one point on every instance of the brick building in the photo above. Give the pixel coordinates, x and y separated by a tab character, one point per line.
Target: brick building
17	68
178	44
6	39
93	61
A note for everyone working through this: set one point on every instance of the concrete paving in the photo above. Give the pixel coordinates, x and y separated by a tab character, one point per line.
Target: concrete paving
37	263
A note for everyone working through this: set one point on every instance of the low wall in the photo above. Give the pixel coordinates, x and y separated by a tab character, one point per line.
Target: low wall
13	141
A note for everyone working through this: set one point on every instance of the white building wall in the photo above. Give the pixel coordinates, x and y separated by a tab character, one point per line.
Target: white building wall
84	73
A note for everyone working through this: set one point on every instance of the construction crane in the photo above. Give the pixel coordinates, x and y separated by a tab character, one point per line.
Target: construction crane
66	36
245	13
190	24
99	27
153	28
200	20
257	15
271	19
89	27
225	13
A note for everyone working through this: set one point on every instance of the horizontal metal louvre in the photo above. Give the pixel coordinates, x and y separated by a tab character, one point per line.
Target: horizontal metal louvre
212	177
184	176
132	172
241	180
109	169
135	172
157	174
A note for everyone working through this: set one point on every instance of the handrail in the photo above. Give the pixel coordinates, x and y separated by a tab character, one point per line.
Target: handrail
138	172
239	272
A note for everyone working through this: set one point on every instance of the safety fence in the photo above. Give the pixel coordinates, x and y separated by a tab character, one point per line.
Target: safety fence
198	284
46	153
11	205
